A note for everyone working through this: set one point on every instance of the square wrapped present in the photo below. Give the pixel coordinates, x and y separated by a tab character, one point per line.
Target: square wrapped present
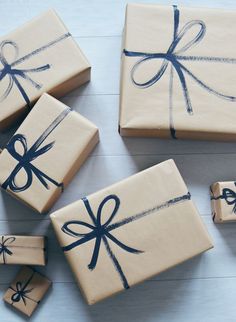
27	290
40	56
45	153
223	201
23	250
178	73
130	231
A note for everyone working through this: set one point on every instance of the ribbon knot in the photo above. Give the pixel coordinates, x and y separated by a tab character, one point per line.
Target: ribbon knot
13	73
20	293
173	57
102	232
4	244
25	159
228	195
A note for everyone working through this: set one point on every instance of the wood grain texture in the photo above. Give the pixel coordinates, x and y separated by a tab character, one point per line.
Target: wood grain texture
202	289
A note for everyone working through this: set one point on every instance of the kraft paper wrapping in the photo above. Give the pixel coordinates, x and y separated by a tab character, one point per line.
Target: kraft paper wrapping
130	231
22	250
27	290
40	56
44	154
223	201
178	73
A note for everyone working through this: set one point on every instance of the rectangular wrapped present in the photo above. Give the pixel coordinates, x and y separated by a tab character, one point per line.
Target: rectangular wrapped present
178	73
130	231
41	56
223	201
23	250
45	153
27	290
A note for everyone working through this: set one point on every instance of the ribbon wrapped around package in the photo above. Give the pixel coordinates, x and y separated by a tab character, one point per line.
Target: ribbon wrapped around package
223	201
170	90
130	231
30	65
23	250
28	161
27	290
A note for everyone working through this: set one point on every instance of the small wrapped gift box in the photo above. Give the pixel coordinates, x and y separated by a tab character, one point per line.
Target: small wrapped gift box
27	290
39	57
45	153
178	73
130	231
223	201
23	250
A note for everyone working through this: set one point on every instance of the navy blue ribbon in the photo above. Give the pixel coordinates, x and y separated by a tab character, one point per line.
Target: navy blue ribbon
14	74
29	155
102	232
228	195
21	292
174	56
4	247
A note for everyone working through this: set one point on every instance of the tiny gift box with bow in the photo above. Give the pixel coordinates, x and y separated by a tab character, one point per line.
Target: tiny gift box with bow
41	56
178	73
45	153
223	201
27	290
23	250
130	231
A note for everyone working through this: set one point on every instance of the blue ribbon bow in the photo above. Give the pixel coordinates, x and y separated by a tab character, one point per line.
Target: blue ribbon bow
29	155
228	195
9	68
4	247
21	292
173	57
102	232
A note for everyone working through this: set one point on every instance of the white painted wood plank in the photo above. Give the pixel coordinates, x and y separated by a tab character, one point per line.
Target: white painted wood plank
179	301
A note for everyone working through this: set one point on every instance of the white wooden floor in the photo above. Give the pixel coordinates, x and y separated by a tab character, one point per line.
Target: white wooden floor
203	289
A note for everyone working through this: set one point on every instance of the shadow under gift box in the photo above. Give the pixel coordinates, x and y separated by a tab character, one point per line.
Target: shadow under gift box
223	201
45	153
27	290
23	250
178	73
130	231
41	56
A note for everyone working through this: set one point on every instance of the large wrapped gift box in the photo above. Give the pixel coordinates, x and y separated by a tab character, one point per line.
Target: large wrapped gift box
23	250
41	56
27	290
45	153
130	231
178	73
223	201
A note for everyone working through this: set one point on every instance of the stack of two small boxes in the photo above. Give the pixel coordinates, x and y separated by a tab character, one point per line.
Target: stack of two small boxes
147	223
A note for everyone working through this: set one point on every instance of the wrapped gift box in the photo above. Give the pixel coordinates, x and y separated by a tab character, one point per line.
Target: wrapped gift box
45	153
178	73
41	56
223	201
130	231
27	290
23	250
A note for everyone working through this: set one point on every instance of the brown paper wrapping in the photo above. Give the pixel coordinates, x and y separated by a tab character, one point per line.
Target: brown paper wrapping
64	66
223	201
22	250
166	233
72	141
35	285
160	109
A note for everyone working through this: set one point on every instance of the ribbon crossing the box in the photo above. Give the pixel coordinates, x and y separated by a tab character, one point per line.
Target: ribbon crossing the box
4	247
9	68
228	195
21	292
29	155
174	57
102	232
